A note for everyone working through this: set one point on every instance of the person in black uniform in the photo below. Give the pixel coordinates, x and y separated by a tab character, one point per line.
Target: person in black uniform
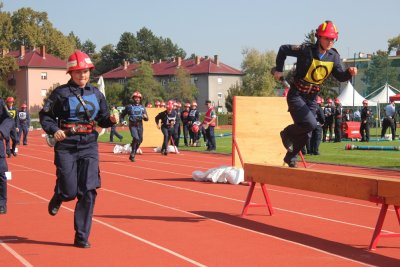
177	126
317	132
338	121
315	62
12	110
193	117
24	121
137	114
6	124
328	113
167	118
366	114
70	114
185	123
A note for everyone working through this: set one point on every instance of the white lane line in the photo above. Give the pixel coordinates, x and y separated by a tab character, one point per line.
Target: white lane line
233	199
121	231
214	195
234	226
14	253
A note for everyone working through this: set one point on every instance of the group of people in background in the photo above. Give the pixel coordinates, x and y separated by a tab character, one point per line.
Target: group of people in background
173	121
13	124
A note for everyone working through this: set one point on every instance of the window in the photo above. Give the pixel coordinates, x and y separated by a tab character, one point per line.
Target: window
219	95
43	75
219	80
43	92
163	82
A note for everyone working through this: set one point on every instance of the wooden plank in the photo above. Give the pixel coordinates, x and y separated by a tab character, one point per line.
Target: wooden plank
152	137
389	188
258	122
334	183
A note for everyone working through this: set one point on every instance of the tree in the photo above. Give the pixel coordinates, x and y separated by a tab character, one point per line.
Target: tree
127	47
234	90
394	44
143	82
6	30
380	72
32	29
8	64
75	39
151	47
113	92
106	60
257	79
181	87
89	48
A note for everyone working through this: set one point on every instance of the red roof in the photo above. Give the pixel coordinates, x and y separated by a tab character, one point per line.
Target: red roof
168	68
34	59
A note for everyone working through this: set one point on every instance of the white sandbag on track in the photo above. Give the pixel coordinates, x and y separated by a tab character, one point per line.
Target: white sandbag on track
223	174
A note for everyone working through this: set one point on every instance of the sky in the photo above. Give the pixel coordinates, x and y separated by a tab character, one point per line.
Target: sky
225	27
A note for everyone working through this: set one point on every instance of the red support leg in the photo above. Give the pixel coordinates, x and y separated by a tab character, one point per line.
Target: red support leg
248	203
248	198
266	196
379	224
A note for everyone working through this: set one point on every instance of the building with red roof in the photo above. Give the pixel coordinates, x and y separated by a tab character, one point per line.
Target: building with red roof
37	73
212	77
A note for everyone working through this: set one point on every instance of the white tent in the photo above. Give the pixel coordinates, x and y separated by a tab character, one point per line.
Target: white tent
385	93
348	94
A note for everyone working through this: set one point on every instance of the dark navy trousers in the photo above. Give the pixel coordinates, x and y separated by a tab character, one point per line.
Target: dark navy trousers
137	136
302	108
78	176
3	179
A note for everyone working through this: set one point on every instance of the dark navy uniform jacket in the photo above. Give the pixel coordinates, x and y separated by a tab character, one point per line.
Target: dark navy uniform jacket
167	120
6	123
309	67
366	114
320	116
63	105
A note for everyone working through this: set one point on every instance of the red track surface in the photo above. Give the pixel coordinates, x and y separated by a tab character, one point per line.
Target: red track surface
151	213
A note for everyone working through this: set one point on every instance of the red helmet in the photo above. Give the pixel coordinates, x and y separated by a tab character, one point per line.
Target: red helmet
136	94
365	101
337	101
157	103
195	128
194	104
10	99
319	100
187	105
149	105
79	61
162	104
179	104
327	29
170	105
329	101
24	106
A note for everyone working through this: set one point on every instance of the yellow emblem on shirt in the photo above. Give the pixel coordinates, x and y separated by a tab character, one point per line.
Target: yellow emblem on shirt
318	71
12	113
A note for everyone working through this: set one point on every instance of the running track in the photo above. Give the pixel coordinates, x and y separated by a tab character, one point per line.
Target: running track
151	213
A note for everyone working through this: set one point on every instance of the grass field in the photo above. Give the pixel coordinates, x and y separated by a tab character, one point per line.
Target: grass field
330	152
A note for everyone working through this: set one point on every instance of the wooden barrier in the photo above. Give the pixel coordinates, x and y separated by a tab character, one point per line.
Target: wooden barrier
257	122
152	136
385	191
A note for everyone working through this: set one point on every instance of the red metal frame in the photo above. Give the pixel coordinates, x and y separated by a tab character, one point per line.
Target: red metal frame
378	228
248	203
379	224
